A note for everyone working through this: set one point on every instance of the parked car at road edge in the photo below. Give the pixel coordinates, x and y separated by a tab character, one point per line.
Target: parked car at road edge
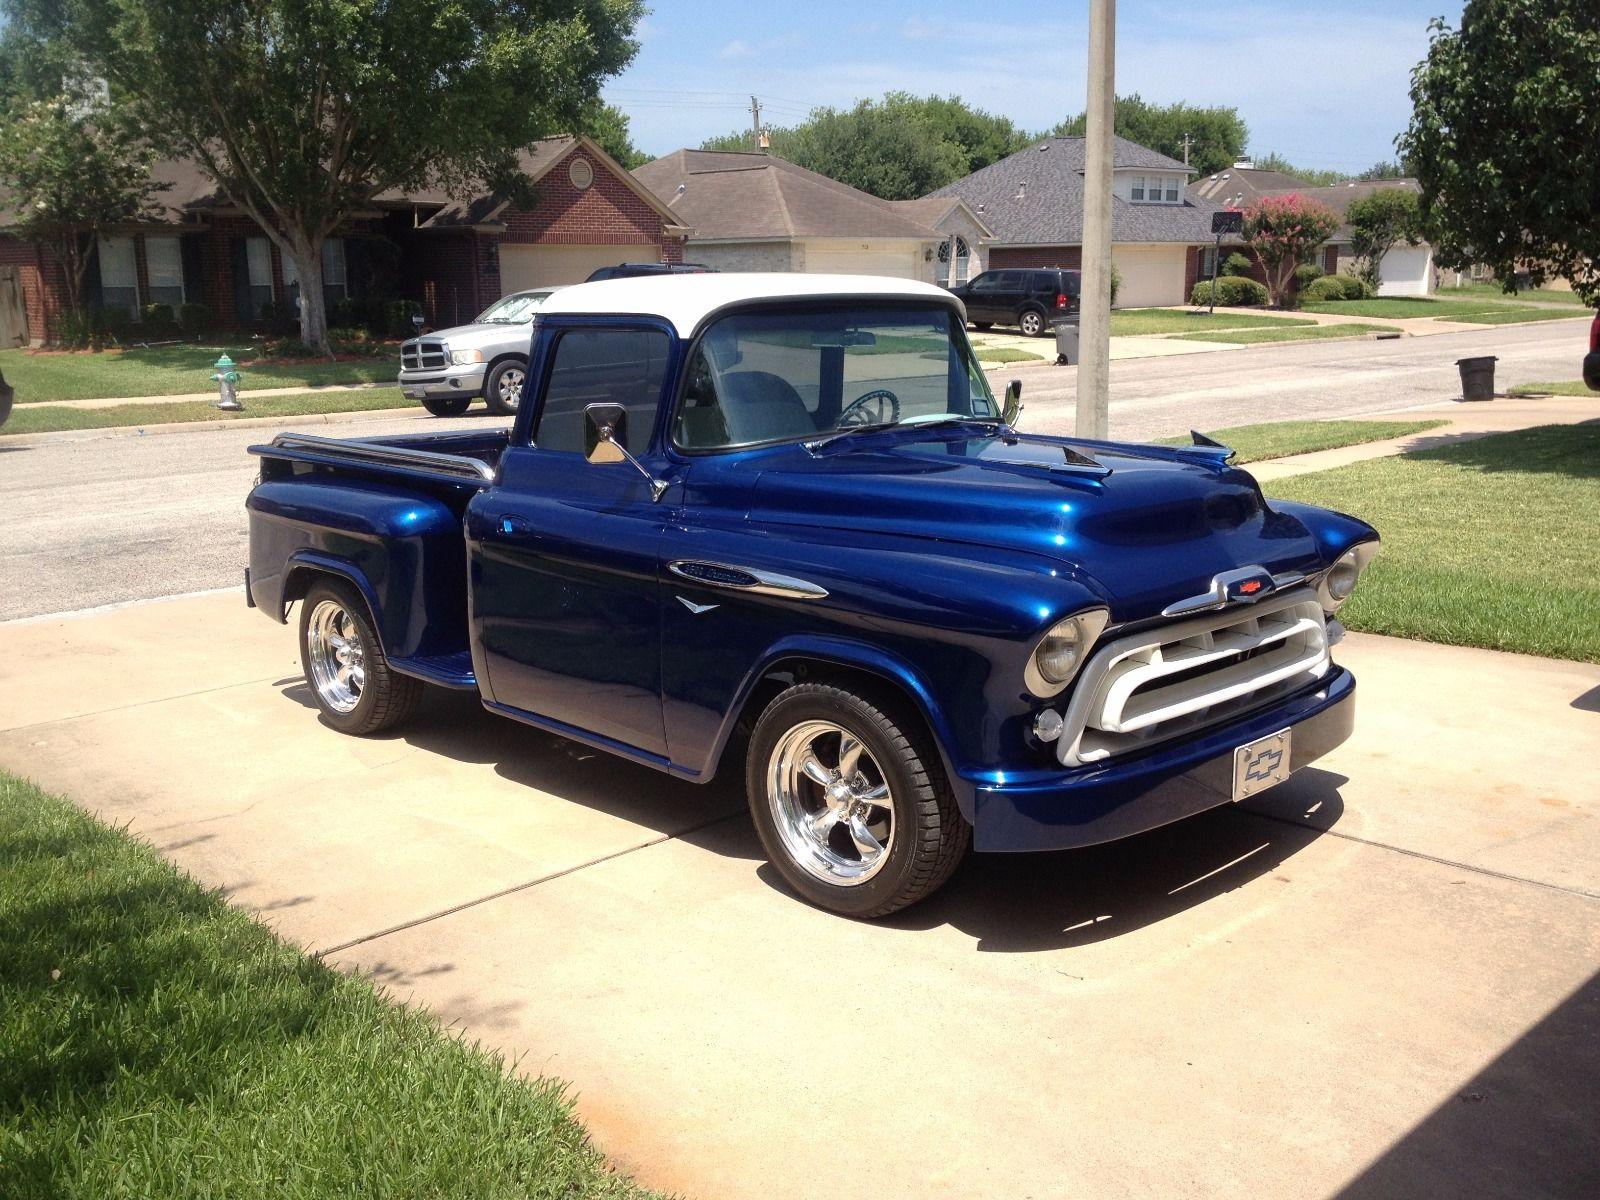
450	368
778	525
1591	361
1031	299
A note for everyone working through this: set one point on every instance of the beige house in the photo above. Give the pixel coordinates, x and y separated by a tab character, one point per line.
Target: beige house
757	212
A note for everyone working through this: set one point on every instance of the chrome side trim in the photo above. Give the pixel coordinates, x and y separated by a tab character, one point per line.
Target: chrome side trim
746	579
390	456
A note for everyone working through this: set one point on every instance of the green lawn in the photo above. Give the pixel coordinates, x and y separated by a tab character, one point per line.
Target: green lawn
168	371
155	1043
1133	321
1412	306
1521	314
1005	354
1279	439
47	418
1568	387
1248	337
1491	291
1490	542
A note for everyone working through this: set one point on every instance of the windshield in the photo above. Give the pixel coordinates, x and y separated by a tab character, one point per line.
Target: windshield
766	377
513	310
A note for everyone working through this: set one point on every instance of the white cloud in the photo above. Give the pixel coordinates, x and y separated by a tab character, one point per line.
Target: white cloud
734	50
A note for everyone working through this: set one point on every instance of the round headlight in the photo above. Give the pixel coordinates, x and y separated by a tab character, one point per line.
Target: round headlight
1341	578
1061	652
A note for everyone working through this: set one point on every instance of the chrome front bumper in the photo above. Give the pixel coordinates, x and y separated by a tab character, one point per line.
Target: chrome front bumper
455	383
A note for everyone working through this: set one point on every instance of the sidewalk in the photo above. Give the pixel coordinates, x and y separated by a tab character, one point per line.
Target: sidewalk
1410	326
1467	421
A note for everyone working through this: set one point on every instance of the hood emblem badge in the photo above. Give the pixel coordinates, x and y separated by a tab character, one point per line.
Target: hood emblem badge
1244	585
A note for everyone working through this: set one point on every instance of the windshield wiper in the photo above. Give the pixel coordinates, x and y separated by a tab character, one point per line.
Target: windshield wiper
943	422
848	430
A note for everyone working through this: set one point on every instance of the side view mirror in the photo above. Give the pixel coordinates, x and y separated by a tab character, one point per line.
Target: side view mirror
605	432
1013	403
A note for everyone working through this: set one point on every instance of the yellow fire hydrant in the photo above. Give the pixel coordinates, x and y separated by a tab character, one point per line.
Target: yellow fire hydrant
227	381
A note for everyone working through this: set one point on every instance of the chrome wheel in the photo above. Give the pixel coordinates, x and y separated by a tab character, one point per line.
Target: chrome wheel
338	660
508	387
831	803
1032	324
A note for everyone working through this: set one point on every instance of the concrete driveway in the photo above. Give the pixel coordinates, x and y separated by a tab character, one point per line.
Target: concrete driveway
1378	980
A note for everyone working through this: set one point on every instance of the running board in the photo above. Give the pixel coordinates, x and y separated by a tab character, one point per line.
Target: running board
446	670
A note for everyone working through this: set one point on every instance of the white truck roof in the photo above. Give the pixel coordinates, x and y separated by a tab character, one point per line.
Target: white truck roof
686	300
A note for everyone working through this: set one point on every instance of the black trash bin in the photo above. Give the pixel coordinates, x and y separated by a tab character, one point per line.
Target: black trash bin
1477	377
1066	342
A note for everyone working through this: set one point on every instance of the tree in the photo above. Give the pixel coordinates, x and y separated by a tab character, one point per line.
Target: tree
608	125
1387	169
898	148
1379	221
301	113
1505	139
1284	232
1217	135
1309	176
76	169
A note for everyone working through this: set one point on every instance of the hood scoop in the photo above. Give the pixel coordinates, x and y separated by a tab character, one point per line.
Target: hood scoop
1072	461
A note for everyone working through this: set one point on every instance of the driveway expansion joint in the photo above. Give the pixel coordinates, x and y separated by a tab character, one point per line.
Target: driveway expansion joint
477	901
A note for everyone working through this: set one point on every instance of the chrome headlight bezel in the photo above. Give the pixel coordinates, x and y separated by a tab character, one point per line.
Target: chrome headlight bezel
1044	676
1338	582
464	358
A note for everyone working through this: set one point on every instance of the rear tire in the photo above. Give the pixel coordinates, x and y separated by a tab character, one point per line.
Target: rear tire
1033	323
850	799
355	689
454	406
502	390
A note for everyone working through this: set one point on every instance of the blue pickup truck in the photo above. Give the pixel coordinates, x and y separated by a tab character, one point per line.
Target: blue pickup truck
779	524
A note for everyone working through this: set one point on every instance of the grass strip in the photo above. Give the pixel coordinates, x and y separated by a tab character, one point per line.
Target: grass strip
1566	387
156	1043
169	371
1250	337
1489	542
48	418
1279	439
1518	316
1132	322
1005	354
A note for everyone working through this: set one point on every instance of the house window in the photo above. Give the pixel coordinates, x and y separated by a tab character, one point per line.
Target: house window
334	286
258	259
1172	190
1138	188
163	261
963	262
1208	261
119	280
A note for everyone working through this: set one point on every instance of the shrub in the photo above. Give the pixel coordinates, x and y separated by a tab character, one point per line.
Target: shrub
279	318
157	320
1320	291
397	316
357	341
1232	292
1356	288
1116	284
1237	264
287	347
195	318
1307	274
361	313
76	330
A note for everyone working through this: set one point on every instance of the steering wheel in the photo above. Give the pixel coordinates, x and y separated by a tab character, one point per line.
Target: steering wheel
870	409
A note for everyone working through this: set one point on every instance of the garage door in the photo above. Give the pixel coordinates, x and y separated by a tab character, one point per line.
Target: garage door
1151	275
1406	271
540	266
899	261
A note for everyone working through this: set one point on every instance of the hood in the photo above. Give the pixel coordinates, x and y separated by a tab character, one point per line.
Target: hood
1148	525
485	331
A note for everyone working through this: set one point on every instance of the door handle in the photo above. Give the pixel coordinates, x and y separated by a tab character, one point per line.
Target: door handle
513	525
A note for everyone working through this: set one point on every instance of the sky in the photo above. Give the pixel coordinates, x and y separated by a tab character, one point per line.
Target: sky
1323	84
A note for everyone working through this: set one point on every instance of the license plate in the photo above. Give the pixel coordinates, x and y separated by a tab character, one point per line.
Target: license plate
416	394
1260	764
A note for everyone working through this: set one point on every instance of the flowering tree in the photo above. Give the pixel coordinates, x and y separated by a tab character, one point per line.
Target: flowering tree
1284	232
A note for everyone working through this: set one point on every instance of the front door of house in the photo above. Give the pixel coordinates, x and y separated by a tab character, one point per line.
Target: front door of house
13	312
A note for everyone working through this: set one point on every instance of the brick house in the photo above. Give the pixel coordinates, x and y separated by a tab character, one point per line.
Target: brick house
454	255
1033	201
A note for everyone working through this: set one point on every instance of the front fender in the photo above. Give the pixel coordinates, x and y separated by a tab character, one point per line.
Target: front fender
894	670
1335	532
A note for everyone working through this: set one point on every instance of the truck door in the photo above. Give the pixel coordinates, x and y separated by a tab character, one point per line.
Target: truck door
565	599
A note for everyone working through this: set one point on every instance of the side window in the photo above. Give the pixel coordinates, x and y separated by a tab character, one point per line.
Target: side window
602	366
1011	281
987	282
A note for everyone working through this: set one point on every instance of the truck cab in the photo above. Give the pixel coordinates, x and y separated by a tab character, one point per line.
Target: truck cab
781	526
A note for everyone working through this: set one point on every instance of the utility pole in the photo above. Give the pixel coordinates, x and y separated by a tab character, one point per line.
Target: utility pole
1094	348
755	122
1186	140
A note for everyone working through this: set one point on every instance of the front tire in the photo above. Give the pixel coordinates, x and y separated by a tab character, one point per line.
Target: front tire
355	689
850	800
453	406
502	390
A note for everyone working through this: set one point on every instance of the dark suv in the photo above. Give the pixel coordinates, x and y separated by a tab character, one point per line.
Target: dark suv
634	270
1030	299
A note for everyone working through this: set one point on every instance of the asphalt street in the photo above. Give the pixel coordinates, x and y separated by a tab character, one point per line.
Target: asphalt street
91	520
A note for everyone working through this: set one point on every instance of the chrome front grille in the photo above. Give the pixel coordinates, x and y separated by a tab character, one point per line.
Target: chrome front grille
423	354
1175	679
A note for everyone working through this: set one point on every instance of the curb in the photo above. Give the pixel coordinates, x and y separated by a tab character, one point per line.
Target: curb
125	431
